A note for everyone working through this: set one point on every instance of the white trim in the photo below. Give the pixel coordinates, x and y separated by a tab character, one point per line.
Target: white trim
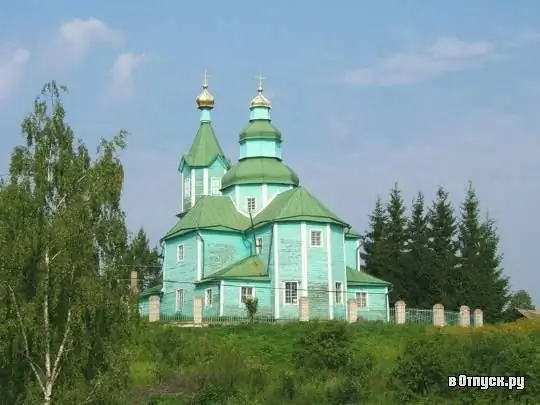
179	304
340	291
199	258
247	198
182	189
298	293
275	247
367	298
264	192
303	259
331	287
193	187
259	246
237	198
311	231
387	306
221	297
205	181
206	304
178	258
356	254
345	283
240	295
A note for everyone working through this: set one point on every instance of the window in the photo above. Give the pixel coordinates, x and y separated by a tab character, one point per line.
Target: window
316	238
187	187
339	293
208	298
180	253
246	293
179	299
251	205
291	292
362	298
215	185
258	245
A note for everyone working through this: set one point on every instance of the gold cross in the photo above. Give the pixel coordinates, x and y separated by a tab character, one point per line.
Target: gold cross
260	78
205	78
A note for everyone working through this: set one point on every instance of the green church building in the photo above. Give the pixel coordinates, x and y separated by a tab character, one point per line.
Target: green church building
251	230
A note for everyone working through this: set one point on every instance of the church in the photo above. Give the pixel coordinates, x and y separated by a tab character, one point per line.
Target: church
251	230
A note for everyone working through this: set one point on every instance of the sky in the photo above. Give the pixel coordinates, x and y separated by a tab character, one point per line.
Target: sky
366	94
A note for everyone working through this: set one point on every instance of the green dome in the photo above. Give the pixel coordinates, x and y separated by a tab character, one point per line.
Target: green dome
260	170
260	129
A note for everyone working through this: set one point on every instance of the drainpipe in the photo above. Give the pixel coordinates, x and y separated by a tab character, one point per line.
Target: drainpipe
358	258
202	252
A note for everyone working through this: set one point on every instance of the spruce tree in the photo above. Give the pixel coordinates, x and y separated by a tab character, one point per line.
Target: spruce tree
418	257
480	282
373	240
394	268
144	259
442	252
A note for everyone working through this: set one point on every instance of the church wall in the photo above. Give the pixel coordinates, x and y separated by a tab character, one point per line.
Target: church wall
221	249
289	268
243	191
216	171
210	309
377	308
260	148
186	176
319	285
265	234
179	275
233	305
199	182
275	189
351	252
337	256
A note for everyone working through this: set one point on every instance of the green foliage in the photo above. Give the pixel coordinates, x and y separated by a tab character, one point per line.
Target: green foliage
145	260
372	253
252	305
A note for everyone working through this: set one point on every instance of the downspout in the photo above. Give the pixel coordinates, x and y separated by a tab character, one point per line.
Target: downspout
358	258
202	252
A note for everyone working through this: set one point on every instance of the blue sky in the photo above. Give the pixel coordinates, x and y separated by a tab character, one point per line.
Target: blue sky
365	94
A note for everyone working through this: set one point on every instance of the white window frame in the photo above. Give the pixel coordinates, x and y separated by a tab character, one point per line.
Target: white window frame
187	187
258	245
208	297
180	253
248	203
180	299
252	296
358	295
285	283
215	185
338	298
313	232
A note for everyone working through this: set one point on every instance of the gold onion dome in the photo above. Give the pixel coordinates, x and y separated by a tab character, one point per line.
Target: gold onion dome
205	99
260	99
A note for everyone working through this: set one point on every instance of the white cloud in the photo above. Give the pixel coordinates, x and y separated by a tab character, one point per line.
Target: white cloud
444	56
75	38
13	60
121	83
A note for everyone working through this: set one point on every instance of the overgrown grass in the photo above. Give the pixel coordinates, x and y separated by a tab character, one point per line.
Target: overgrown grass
331	363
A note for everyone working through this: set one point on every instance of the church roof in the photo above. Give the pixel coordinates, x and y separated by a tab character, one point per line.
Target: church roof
205	148
297	205
360	277
251	267
216	213
259	170
352	233
260	129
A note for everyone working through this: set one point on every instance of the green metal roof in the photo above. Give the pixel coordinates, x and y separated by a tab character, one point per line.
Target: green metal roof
260	129
259	170
352	233
205	148
296	205
251	267
360	277
156	290
210	212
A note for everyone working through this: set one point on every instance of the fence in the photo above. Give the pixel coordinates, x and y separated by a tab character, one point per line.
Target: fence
194	313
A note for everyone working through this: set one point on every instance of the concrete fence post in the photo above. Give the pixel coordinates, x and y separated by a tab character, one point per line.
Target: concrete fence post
153	308
352	310
464	316
401	313
303	309
438	315
197	310
478	318
134	284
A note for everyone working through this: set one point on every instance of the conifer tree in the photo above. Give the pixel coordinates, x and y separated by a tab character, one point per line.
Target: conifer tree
442	252
144	259
481	283
372	254
394	268
66	317
418	257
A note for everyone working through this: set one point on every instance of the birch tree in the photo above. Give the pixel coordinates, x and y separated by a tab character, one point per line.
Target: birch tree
62	230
